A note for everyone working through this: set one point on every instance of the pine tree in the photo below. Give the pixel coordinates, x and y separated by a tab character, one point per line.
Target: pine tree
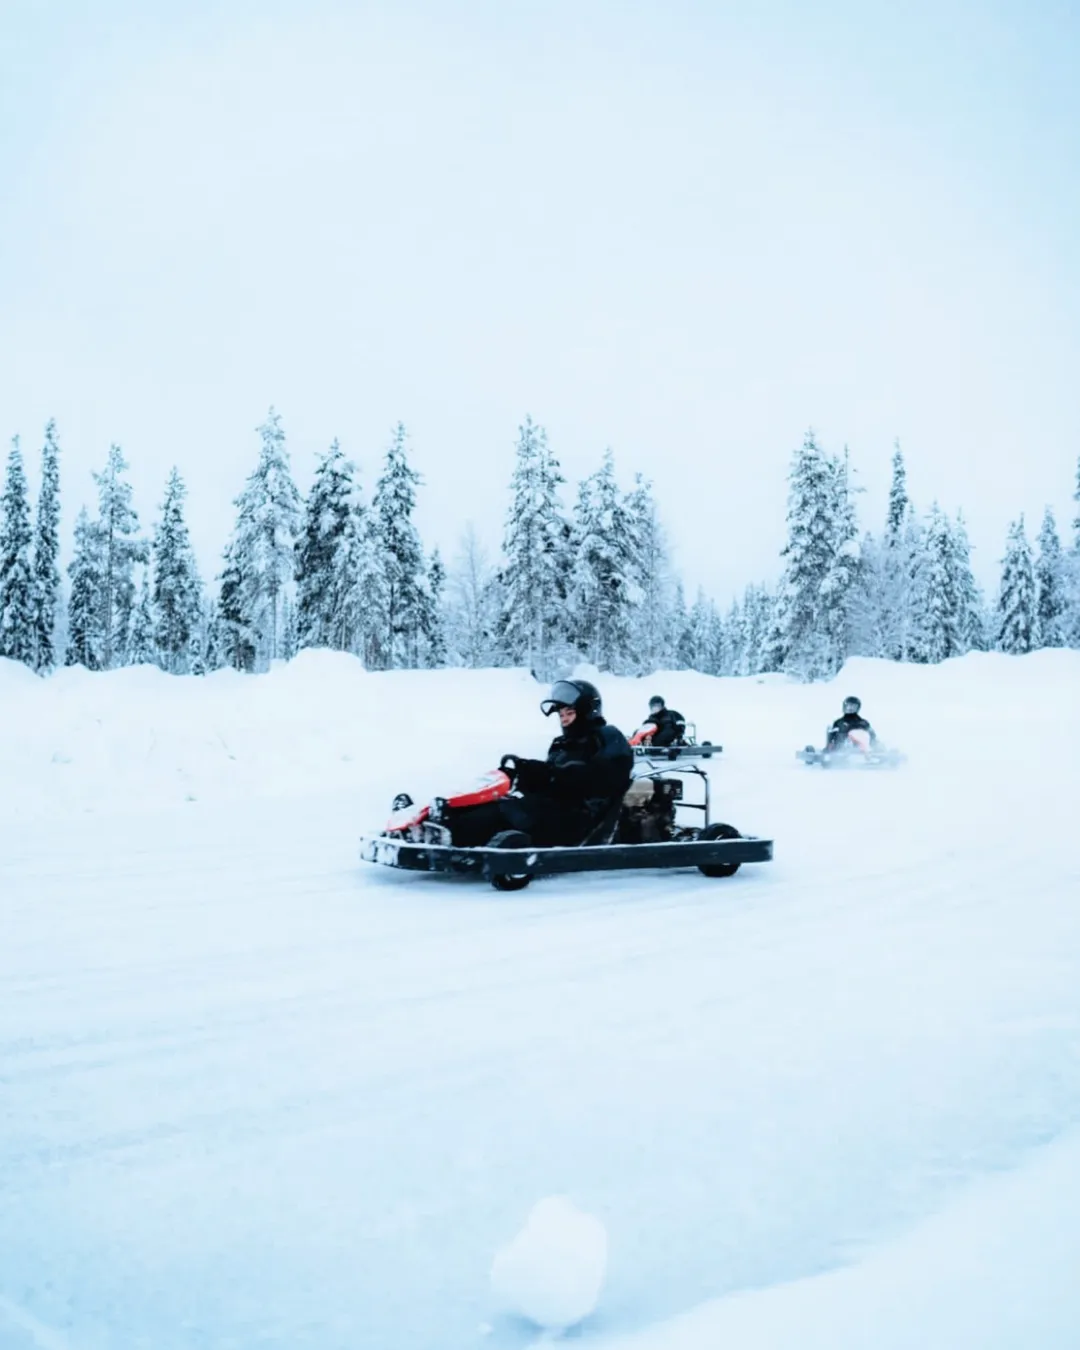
811	621
214	656
236	643
1051	584
177	590
399	559
198	660
46	569
757	610
358	587
1018	619
319	550
651	577
601	588
262	552
473	604
121	549
841	589
436	650
17	635
897	565
968	598
290	638
937	621
85	627
532	580
142	647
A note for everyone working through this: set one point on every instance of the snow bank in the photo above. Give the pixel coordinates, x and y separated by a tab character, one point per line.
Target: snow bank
551	1274
138	739
996	1270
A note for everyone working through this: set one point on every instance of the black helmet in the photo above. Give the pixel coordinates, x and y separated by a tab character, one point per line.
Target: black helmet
656	702
852	704
580	695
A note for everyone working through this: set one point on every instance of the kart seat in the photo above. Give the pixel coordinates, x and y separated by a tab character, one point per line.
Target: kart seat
603	832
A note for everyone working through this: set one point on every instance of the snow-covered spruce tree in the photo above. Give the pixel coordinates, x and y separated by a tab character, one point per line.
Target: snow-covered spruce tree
197	664
651	577
399	560
473	604
1051	582
533	576
757	608
142	646
436	646
236	643
820	561
262	549
937	622
732	642
844	581
85	642
319	550
121	549
864	611
895	569
601	588
177	591
287	646
968	597
358	586
1018	618
46	567
213	655
17	637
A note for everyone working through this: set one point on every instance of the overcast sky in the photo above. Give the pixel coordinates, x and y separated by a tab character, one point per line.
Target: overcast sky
685	229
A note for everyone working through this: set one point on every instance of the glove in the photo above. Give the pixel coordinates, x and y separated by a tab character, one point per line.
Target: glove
533	775
509	765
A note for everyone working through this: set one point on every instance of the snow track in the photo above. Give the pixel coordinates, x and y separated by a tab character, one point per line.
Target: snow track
257	1095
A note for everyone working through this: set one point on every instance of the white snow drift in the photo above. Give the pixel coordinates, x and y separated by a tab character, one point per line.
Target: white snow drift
254	1093
553	1271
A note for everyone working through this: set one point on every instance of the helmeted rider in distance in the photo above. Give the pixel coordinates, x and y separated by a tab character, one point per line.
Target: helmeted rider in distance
559	799
665	726
851	720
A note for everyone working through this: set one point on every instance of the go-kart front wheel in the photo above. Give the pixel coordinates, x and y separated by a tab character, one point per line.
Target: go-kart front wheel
510	839
719	831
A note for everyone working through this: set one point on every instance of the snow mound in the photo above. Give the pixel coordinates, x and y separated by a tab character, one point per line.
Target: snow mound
552	1272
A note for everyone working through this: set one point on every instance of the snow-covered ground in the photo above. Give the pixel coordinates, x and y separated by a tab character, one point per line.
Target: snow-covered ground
255	1095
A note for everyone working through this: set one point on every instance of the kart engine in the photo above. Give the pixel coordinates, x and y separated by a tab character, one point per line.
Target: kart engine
648	815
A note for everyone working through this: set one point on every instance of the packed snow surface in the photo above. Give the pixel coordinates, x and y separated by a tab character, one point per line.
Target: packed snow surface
553	1271
255	1094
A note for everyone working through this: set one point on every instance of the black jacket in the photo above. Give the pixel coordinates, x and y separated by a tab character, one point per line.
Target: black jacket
838	732
670	726
587	768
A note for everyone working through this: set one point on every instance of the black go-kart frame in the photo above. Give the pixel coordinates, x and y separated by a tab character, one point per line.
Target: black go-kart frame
689	748
509	861
851	759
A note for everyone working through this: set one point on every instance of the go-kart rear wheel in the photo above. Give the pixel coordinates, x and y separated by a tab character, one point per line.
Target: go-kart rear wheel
719	831
510	839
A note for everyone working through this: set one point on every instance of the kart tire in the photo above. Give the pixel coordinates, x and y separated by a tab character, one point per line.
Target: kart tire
719	831
510	839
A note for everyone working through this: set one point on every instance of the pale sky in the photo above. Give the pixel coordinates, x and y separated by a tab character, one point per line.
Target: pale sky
687	230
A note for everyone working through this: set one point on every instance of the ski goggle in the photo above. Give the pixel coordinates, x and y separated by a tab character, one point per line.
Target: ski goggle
852	705
563	695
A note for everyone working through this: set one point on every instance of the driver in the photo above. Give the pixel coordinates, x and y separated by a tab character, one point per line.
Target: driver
665	726
850	721
559	799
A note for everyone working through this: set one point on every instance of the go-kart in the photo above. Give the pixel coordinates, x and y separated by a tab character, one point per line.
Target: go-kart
643	829
856	751
687	748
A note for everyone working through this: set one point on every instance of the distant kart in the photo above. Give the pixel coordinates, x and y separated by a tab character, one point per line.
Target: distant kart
641	830
687	748
856	752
